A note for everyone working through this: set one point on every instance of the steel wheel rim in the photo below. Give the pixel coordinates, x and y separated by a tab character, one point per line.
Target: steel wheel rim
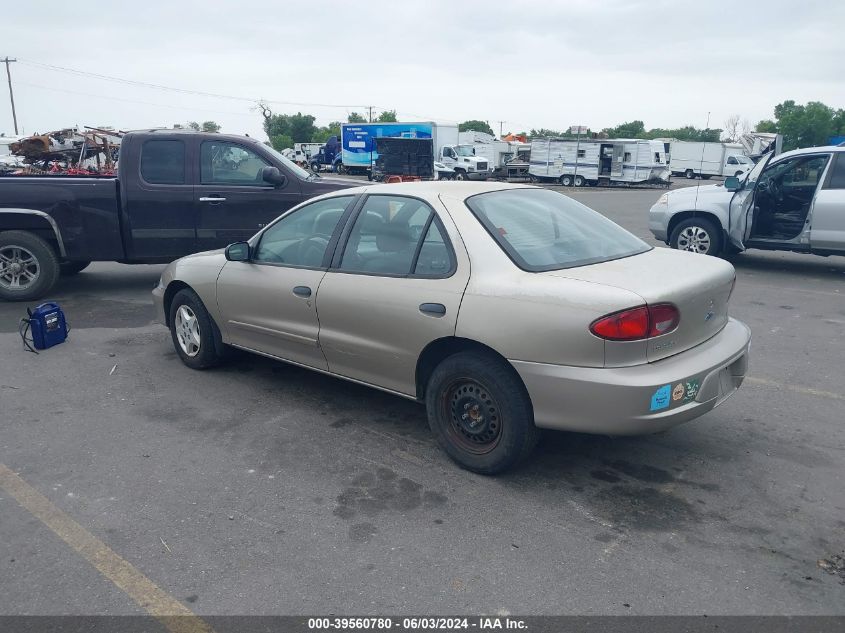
187	329
19	268
694	239
473	417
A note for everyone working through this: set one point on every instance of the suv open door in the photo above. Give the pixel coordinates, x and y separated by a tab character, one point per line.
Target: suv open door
741	210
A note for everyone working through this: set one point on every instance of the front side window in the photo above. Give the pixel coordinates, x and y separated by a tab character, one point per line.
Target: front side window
302	237
544	230
223	163
163	162
386	234
837	176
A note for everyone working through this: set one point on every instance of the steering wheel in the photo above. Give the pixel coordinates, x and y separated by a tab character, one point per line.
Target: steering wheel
311	251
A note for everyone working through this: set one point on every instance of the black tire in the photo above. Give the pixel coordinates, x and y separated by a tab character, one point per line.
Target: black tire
505	434
25	254
578	181
565	180
72	268
460	174
690	174
207	334
705	177
698	235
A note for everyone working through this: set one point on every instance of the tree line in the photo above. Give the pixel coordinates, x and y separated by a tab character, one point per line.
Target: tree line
807	125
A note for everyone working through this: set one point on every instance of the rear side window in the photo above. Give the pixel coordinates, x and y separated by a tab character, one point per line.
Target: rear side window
837	176
544	230
163	162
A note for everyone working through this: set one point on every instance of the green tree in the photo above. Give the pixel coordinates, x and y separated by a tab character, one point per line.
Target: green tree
631	129
280	142
807	125
299	127
387	116
323	133
210	126
544	132
475	125
354	117
191	125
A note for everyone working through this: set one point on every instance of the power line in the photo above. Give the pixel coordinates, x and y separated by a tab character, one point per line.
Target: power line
157	105
154	86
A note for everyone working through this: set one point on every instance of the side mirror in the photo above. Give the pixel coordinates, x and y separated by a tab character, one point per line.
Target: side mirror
273	176
732	183
238	252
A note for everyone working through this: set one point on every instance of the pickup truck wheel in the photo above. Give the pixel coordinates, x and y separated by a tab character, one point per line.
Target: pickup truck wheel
29	267
71	268
193	331
697	235
480	413
690	174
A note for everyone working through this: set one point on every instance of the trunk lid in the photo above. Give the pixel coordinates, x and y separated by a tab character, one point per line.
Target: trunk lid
699	286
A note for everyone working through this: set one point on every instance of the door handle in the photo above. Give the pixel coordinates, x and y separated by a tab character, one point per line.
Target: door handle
433	309
302	291
207	199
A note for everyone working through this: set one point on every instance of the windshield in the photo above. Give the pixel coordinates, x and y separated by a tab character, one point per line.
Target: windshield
544	230
290	165
752	176
465	150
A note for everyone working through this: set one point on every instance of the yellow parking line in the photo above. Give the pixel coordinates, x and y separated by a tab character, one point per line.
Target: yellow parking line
796	388
170	612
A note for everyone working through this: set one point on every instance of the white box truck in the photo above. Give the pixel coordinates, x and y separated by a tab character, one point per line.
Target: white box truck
496	152
704	160
359	152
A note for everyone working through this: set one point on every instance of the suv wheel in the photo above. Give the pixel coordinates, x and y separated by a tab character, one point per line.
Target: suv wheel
697	235
480	413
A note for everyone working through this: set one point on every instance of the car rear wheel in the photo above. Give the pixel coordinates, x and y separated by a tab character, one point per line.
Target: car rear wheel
690	174
29	267
480	413
193	331
566	180
697	235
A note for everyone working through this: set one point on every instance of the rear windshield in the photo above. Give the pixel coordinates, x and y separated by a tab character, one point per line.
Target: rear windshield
544	230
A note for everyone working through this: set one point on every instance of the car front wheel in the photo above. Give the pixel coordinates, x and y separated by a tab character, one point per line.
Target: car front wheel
697	235
480	413
193	331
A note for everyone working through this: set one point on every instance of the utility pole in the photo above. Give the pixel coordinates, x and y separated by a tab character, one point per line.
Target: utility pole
500	128
8	61
370	117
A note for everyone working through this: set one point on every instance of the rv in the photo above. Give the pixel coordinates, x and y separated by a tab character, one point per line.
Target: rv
304	152
693	159
359	152
598	161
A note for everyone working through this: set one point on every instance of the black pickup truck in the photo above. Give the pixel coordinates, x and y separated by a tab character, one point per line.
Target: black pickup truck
177	192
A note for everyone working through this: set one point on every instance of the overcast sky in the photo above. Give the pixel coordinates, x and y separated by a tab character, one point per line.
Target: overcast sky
530	64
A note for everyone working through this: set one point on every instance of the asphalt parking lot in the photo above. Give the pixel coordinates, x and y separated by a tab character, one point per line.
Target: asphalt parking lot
263	488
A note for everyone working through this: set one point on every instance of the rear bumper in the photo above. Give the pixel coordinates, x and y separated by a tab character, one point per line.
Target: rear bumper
643	398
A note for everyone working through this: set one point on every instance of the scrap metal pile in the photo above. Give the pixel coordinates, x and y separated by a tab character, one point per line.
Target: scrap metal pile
71	151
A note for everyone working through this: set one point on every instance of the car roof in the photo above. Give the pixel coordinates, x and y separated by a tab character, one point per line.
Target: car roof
810	150
432	188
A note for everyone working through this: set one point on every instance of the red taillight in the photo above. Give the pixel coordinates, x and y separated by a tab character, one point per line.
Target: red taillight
637	323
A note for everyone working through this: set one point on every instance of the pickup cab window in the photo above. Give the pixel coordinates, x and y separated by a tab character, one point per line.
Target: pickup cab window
163	162
224	163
